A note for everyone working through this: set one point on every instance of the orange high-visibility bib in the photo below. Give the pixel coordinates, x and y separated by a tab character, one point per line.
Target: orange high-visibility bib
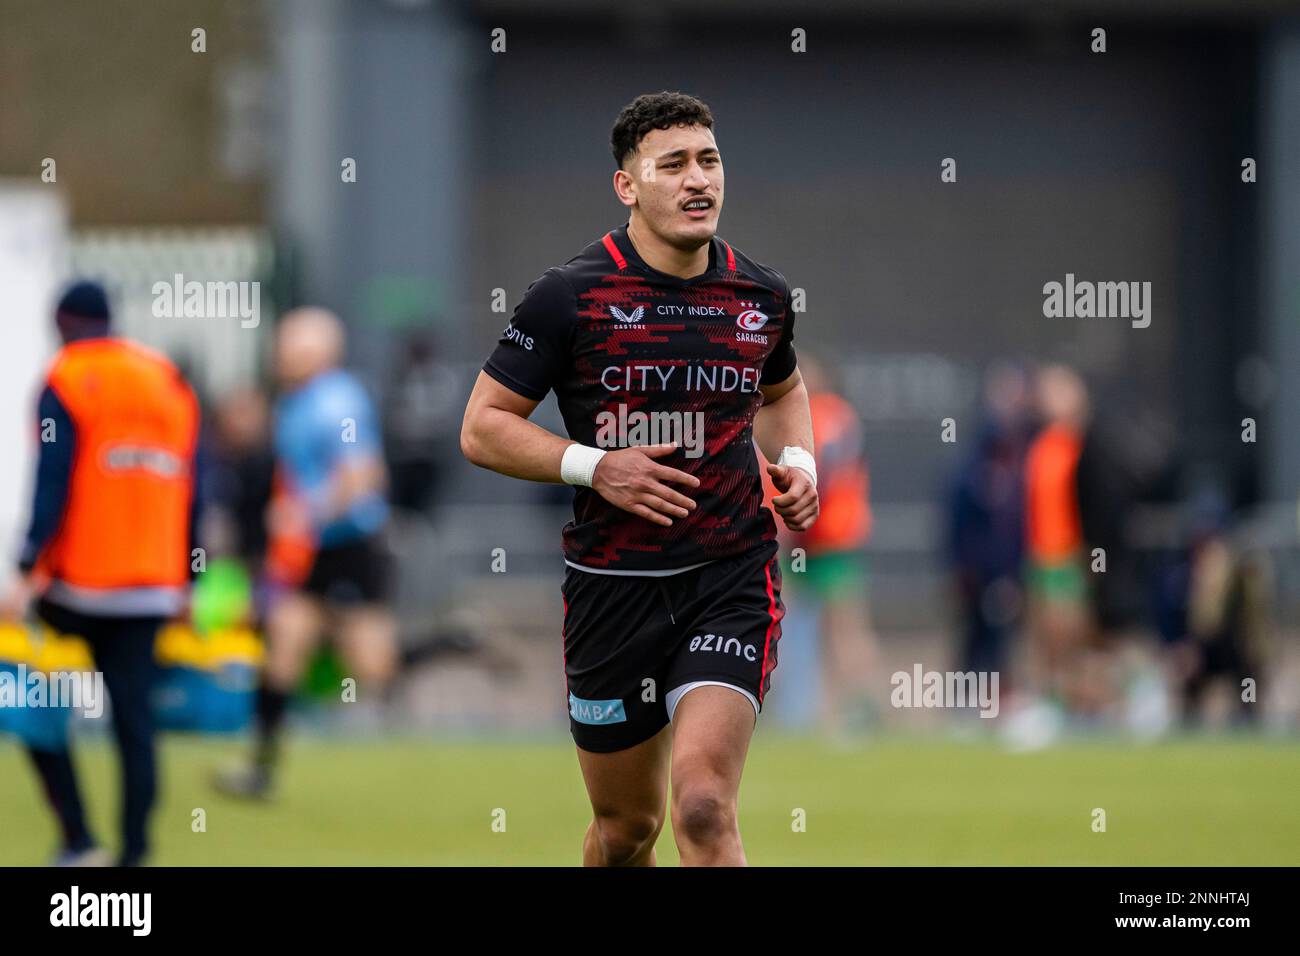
843	490
1053	527
843	486
127	519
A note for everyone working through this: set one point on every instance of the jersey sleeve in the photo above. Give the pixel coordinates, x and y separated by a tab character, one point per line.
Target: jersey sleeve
533	351
363	439
53	476
781	363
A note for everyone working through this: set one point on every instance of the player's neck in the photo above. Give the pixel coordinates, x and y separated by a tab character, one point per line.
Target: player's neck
659	255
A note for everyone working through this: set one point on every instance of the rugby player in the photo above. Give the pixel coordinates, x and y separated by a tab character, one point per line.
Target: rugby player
670	353
331	480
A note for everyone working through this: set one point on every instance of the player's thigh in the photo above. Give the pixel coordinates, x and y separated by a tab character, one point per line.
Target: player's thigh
630	784
721	671
712	727
367	639
293	630
731	625
618	635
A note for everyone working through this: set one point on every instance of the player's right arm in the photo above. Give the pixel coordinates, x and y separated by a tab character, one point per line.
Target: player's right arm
529	359
50	497
496	434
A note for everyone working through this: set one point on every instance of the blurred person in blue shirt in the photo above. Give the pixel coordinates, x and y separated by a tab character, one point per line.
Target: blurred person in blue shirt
327	560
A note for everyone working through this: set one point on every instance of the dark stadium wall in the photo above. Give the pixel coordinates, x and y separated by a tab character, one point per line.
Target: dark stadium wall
833	167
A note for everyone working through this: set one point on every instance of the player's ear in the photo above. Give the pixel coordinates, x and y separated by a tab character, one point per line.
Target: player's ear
624	187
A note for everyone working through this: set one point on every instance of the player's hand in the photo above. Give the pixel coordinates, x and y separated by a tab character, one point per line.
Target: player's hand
13	606
184	614
797	504
631	479
288	517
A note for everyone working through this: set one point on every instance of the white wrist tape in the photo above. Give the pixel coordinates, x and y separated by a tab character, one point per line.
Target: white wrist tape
797	457
579	464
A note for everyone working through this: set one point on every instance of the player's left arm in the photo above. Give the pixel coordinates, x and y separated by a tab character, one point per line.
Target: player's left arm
358	473
782	430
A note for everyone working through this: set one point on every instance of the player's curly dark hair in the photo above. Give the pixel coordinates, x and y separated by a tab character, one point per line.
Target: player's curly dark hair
654	111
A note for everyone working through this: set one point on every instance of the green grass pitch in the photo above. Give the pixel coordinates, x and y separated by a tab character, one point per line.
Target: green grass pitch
885	802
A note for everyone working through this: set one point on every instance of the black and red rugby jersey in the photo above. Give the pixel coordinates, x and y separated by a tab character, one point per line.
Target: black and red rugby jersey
638	357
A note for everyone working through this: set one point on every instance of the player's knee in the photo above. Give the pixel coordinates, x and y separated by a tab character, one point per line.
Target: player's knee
286	660
623	838
370	643
283	671
702	815
292	634
374	669
382	672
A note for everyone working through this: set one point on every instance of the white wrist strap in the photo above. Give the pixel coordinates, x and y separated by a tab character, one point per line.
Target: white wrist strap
579	464
797	457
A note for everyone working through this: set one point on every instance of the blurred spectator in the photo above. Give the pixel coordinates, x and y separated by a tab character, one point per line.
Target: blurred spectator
326	524
108	550
830	577
986	524
1215	614
241	470
1119	464
422	423
1059	616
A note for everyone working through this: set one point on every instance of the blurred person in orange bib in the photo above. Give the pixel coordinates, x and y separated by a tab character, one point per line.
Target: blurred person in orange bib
109	545
326	557
830	572
1060	617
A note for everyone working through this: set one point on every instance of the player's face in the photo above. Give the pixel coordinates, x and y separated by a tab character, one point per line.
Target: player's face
288	358
297	357
677	178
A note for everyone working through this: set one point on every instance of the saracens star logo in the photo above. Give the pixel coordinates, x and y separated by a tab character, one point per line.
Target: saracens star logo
751	320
